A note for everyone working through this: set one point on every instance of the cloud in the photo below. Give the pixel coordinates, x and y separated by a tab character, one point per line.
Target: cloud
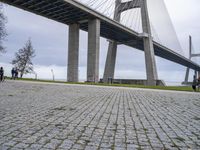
50	41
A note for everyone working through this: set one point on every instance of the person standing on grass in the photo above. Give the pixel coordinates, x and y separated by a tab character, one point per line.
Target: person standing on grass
13	73
194	83
1	74
16	73
198	83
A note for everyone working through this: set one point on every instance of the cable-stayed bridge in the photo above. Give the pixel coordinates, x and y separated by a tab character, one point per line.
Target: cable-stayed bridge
80	15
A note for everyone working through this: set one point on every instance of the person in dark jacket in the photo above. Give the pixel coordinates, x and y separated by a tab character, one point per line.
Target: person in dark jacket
16	73
13	73
194	83
198	83
1	74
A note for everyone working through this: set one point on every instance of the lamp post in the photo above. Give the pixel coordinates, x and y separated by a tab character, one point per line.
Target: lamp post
35	75
53	74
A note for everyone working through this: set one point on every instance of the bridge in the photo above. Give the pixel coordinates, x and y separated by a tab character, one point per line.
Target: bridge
191	55
79	16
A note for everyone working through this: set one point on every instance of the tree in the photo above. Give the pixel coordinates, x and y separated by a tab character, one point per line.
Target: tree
3	33
23	59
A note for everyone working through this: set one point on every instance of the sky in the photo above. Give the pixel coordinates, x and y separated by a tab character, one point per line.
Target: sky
50	41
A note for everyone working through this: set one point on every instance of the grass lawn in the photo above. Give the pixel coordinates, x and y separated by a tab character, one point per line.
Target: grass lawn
174	88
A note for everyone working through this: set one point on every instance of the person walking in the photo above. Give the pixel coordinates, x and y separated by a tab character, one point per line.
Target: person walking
194	83
13	73
198	84
16	73
1	74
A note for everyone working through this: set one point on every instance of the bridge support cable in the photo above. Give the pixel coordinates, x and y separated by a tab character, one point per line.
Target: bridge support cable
162	20
155	34
73	53
151	69
112	48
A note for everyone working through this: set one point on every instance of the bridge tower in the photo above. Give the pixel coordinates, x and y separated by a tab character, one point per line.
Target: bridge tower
151	70
190	57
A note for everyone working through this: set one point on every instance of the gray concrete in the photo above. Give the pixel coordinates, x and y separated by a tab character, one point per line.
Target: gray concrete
136	82
110	61
41	116
187	76
151	70
190	57
112	48
196	73
93	50
73	53
109	69
117	13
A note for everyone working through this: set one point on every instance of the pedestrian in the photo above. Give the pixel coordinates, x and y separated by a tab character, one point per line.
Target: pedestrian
16	73
13	73
194	83
1	74
198	83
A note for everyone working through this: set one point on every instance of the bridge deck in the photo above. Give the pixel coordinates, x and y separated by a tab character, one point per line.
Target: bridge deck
71	11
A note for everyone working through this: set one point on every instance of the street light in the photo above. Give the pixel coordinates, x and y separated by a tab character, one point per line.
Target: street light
53	74
35	75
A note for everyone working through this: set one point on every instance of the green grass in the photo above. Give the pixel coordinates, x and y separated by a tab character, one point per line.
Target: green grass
174	88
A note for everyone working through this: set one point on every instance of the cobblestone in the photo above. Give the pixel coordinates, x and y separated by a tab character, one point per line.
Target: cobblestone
58	116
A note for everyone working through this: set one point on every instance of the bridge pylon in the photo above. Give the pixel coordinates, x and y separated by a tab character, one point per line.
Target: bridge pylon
112	49
191	55
151	70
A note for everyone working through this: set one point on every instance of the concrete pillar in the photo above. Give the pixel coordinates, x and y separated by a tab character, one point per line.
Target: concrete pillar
117	14
112	49
93	50
187	75
195	73
151	70
73	53
110	61
190	56
198	74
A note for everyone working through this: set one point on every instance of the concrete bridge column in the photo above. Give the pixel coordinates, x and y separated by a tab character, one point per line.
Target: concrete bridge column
93	50
196	74
112	49
110	61
187	75
151	70
190	56
73	53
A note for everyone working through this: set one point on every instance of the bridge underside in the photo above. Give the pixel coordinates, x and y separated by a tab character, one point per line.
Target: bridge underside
69	12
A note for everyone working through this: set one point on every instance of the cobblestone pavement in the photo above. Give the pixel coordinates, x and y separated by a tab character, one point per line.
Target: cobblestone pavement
49	116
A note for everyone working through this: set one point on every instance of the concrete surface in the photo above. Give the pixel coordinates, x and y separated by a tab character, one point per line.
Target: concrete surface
58	116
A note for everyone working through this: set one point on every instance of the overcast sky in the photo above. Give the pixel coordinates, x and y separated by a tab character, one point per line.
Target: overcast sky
50	41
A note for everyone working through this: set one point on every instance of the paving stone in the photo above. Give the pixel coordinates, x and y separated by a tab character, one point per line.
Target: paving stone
60	116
